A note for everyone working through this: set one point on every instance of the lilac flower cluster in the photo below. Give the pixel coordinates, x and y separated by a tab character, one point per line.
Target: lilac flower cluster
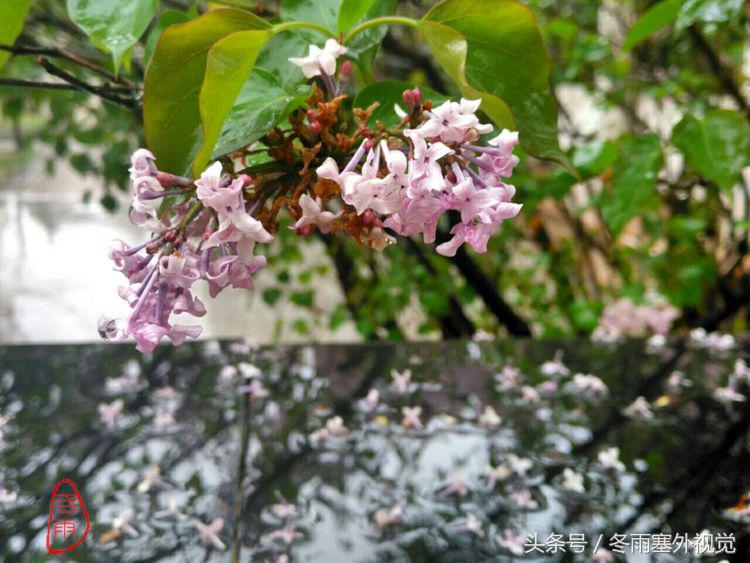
206	232
434	168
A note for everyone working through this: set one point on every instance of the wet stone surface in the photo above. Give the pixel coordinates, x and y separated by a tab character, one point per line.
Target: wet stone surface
407	452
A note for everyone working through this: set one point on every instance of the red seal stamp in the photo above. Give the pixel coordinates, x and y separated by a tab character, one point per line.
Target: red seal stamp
68	523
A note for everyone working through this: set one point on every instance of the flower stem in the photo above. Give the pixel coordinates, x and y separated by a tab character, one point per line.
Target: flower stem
385	20
278	28
192	212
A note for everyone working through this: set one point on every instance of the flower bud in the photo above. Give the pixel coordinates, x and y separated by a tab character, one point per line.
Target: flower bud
413	98
305	230
346	69
369	219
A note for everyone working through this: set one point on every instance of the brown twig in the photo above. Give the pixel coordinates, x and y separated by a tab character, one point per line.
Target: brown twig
70	57
101	91
33	84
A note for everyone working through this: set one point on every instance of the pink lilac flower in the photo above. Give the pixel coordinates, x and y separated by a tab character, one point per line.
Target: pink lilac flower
624	318
288	534
212	239
387	517
314	215
410	187
471	524
512	540
209	533
523	499
401	381
455	486
411	417
110	413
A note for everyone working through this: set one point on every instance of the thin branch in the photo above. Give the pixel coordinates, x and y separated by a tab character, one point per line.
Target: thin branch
723	72
60	54
32	84
100	91
455	324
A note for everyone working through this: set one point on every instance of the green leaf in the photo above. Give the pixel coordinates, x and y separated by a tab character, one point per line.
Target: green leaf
276	54
708	11
351	12
262	104
335	15
229	63
113	25
321	12
169	17
12	14
717	145
595	157
635	176
271	296
173	83
493	50
656	17
388	93
303	298
339	316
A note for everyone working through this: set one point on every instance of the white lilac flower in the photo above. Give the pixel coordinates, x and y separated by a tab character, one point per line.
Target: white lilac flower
150	479
335	427
209	533
728	394
495	474
519	465
741	371
572	481
121	523
640	408
555	367
529	394
172	511
6	496
320	61
489	418
590	385
610	459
